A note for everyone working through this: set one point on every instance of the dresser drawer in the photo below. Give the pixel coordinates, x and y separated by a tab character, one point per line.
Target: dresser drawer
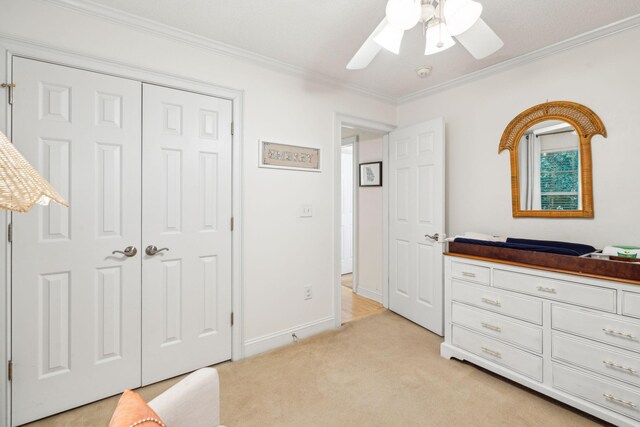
610	329
600	358
559	290
470	272
498	352
524	308
631	304
608	394
497	326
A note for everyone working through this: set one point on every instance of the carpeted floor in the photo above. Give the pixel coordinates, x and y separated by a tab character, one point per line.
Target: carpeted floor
379	371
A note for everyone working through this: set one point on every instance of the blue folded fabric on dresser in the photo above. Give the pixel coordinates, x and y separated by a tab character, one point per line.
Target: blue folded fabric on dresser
579	248
560	248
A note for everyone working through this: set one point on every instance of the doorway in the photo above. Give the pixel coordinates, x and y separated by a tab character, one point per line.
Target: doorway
361	228
413	219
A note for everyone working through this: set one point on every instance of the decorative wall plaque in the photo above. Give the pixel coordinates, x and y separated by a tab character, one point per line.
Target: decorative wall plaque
283	156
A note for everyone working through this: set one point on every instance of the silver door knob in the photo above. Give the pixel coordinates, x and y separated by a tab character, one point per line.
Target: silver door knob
151	250
434	237
129	251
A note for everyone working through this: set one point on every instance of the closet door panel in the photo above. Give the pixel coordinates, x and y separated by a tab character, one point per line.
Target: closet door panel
186	209
75	305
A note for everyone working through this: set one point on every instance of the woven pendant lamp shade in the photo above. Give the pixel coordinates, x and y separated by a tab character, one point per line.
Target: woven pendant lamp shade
21	186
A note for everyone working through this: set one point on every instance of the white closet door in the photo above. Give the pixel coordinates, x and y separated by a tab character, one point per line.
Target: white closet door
76	307
186	209
416	211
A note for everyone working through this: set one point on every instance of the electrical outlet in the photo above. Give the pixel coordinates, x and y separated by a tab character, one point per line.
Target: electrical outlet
308	292
306	211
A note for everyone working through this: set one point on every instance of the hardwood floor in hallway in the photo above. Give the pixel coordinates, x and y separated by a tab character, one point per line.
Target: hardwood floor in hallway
355	306
347	280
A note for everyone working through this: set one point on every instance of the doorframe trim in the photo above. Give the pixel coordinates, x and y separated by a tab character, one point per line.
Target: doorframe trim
5	263
353	142
346	120
13	46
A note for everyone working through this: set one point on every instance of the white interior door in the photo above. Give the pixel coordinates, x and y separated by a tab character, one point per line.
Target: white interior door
416	209
347	208
186	208
75	305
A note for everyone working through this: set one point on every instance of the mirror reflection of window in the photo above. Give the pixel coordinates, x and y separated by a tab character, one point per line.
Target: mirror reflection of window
549	165
559	180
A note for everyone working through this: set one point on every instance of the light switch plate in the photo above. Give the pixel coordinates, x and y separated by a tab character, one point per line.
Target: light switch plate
306	211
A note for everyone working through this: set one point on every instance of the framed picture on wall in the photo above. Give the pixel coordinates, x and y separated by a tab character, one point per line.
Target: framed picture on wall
371	174
292	157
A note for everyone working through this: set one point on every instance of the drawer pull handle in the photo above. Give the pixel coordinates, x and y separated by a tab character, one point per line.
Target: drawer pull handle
467	274
491	302
617	333
492	352
612	398
615	365
491	327
548	290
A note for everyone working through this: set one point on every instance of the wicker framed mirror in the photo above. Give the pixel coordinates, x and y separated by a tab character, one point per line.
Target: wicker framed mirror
550	149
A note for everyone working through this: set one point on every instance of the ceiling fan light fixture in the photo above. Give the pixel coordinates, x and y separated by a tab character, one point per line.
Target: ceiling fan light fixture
460	15
390	38
438	39
441	20
404	14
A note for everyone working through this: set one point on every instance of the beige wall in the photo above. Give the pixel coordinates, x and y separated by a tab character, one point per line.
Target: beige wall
370	222
603	75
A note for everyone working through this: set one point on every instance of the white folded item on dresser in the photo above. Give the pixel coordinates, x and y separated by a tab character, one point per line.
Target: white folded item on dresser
622	251
478	236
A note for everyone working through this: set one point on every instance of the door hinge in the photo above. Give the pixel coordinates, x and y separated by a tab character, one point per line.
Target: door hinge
10	232
232	130
232	318
9	87
10	370
231	223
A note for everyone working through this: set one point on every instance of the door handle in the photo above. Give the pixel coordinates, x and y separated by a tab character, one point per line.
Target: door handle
151	250
435	237
129	251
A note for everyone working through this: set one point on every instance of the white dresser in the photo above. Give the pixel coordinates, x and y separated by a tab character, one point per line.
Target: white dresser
571	337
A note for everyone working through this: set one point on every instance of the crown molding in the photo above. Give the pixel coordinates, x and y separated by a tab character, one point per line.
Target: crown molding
35	49
588	37
91	8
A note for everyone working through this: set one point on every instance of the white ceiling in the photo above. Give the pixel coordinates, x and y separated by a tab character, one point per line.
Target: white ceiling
321	36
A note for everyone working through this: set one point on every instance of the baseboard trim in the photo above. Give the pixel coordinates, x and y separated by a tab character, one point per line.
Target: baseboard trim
278	339
369	294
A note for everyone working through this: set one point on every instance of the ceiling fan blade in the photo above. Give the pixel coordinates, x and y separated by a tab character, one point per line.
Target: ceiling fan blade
480	40
367	51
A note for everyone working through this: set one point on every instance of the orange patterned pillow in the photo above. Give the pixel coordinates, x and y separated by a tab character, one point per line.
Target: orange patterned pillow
133	411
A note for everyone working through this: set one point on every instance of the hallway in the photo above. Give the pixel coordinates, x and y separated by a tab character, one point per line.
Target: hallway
354	306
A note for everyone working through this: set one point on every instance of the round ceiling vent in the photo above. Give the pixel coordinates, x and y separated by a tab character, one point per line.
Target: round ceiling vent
423	71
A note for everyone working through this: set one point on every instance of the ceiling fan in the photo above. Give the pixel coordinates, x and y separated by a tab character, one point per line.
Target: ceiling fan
441	21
